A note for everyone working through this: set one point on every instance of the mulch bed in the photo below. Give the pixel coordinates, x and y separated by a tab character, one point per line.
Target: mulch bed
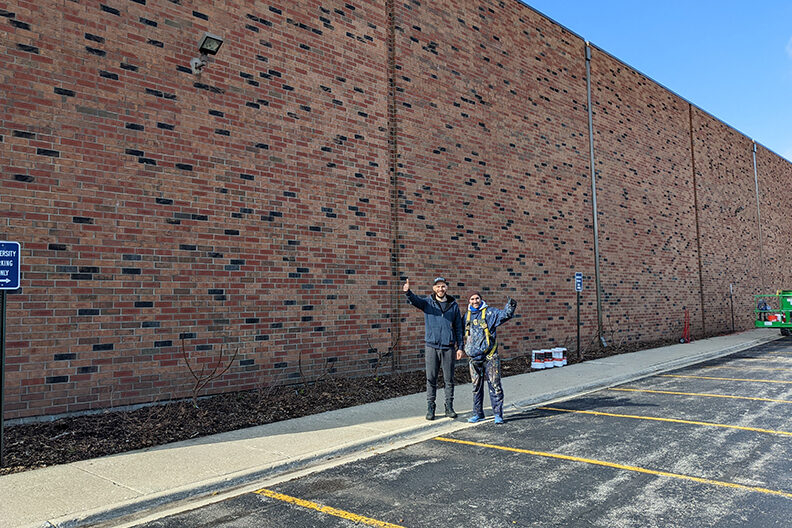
37	445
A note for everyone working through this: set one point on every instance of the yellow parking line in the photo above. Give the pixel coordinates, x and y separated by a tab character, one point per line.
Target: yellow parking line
743	367
725	379
325	509
622	466
672	420
747	367
762	358
704	394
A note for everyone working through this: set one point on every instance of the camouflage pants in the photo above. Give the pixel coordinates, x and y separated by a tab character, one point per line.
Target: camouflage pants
489	369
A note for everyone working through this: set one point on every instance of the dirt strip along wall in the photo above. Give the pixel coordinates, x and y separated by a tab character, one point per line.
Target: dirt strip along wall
274	205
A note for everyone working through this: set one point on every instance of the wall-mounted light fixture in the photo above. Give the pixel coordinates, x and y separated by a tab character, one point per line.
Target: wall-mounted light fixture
208	45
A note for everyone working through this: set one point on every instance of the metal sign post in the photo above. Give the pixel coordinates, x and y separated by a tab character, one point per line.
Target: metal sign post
578	289
2	374
9	280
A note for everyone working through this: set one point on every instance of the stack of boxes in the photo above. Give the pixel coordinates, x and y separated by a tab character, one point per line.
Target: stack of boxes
548	358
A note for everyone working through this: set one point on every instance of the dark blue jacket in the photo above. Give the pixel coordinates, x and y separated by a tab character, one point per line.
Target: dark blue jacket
444	329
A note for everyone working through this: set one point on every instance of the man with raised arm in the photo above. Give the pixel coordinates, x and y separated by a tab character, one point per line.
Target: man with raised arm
481	346
444	341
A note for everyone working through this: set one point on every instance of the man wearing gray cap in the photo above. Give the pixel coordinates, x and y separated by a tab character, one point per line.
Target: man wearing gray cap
444	340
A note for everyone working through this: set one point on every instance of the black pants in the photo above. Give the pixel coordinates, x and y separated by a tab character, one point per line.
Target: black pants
435	357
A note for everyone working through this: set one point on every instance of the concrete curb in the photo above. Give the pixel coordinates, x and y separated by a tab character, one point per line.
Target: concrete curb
134	508
643	373
115	514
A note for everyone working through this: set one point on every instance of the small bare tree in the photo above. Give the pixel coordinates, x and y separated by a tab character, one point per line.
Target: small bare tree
382	356
205	376
304	379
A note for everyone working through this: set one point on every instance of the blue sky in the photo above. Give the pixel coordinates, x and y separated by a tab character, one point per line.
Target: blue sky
732	59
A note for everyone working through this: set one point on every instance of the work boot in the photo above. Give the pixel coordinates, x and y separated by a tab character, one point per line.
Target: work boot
430	410
449	410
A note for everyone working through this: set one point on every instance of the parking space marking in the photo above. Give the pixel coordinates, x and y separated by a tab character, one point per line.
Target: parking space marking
622	466
704	394
761	358
743	367
325	509
672	420
726	379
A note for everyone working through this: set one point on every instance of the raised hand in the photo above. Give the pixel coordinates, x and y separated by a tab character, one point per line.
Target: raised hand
406	286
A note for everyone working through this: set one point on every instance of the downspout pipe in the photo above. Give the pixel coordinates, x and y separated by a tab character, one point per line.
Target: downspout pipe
759	221
594	196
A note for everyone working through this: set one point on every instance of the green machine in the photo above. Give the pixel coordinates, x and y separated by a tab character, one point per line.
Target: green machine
775	311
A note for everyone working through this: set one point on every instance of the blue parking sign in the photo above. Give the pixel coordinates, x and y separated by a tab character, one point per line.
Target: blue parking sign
578	281
9	265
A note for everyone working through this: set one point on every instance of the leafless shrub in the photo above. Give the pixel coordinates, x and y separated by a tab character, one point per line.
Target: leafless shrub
204	377
304	381
382	357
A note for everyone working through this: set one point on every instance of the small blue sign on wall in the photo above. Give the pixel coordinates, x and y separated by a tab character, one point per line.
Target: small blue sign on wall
9	265
578	281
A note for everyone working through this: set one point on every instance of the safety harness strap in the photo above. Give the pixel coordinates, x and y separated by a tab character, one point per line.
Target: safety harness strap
486	329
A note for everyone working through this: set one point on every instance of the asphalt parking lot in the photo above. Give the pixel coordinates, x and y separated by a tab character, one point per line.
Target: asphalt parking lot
708	445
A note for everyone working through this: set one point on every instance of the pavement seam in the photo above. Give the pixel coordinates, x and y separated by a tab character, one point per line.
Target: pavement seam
113	482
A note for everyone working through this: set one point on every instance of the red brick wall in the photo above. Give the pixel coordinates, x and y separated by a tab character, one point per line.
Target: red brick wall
493	154
647	220
248	208
774	175
275	204
729	231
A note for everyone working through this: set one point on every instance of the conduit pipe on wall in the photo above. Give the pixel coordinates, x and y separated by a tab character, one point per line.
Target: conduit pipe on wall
393	169
594	194
759	221
696	216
